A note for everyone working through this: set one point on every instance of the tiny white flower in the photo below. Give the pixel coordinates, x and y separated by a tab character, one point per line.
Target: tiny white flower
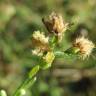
37	35
37	52
40	43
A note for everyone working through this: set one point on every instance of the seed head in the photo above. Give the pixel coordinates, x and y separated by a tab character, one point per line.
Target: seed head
56	25
40	42
86	46
57	22
40	37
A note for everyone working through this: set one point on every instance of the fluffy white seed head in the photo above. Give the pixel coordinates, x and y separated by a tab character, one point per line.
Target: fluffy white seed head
86	46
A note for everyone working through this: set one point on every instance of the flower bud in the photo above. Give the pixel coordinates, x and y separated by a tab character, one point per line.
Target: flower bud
48	59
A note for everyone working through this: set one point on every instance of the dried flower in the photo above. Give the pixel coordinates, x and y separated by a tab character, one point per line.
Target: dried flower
37	52
85	46
40	43
55	24
39	36
42	49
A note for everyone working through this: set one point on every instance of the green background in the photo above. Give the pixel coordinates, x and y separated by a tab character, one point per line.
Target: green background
69	76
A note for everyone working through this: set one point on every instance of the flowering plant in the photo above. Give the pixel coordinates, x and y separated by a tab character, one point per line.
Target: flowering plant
44	48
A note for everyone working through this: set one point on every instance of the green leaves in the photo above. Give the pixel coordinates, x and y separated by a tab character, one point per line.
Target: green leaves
34	71
72	50
53	41
28	82
64	55
21	90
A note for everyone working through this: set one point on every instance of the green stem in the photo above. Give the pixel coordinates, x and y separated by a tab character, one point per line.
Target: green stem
29	81
26	84
63	54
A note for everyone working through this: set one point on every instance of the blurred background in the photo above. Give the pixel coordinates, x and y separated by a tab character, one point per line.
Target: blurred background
68	76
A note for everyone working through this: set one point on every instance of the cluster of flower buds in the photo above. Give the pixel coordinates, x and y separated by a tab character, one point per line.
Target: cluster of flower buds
57	27
42	48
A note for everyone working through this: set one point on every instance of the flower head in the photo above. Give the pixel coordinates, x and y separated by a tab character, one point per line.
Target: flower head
40	43
42	49
85	46
40	37
57	22
56	25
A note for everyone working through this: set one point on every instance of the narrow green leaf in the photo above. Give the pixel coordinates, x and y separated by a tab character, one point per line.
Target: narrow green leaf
33	71
25	85
60	54
31	82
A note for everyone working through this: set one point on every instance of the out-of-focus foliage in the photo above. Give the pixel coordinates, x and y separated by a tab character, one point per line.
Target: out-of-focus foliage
18	19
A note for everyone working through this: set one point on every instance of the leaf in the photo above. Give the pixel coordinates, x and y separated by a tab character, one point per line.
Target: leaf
30	83
34	71
60	54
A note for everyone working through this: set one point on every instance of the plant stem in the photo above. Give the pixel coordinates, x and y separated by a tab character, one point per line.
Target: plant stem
29	81
24	85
